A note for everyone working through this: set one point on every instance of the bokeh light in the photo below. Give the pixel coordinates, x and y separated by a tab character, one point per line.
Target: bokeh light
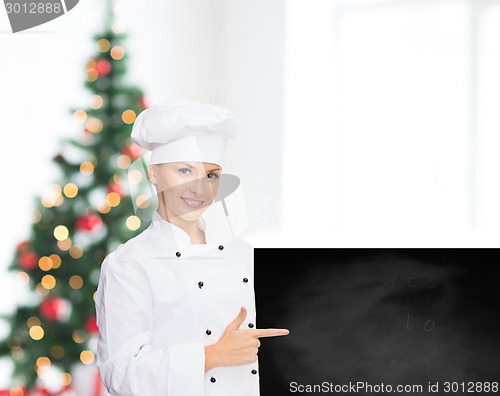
61	232
70	190
133	222
103	45
80	116
128	116
117	52
48	282
36	332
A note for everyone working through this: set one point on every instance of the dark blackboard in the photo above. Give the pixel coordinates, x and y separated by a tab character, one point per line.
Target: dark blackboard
379	316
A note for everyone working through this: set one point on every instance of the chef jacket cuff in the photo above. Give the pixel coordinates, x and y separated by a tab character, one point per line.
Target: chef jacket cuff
186	369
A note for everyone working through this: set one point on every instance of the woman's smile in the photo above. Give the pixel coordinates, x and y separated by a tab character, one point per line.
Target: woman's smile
192	203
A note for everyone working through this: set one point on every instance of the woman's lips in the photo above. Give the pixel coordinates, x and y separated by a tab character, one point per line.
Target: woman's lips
192	203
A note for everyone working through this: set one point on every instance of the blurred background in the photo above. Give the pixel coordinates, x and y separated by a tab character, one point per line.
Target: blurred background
364	123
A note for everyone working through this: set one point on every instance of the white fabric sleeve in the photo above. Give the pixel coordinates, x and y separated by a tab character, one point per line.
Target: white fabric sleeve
127	362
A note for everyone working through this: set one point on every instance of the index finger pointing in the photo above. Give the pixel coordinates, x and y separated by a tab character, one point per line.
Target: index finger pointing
271	332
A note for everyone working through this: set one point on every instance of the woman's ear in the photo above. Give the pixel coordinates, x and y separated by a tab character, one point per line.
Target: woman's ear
152	173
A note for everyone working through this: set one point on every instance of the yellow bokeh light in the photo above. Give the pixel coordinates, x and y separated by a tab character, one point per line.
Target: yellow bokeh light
66	379
103	45
45	263
23	278
113	199
70	190
36	332
76	251
135	176
46	202
57	351
103	207
93	295
91	70
48	281
91	64
61	232
78	336
142	201
64	245
96	101
80	116
87	167
33	321
59	200
52	197
87	357
117	52
94	125
123	161
43	361
92	75
128	116
133	222
56	260
76	282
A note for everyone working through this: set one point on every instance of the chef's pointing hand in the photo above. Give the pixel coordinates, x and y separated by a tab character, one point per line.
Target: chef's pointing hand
237	346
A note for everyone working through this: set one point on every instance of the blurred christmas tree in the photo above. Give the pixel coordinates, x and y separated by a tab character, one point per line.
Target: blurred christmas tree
87	214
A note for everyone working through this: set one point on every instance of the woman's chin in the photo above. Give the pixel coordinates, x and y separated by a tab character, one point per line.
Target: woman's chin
193	215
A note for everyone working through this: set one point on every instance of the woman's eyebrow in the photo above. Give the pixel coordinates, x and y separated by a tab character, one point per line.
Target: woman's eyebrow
191	167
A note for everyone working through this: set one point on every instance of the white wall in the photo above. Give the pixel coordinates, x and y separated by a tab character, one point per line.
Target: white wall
390	107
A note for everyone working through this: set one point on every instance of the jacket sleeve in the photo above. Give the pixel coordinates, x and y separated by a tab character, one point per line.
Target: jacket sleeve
128	364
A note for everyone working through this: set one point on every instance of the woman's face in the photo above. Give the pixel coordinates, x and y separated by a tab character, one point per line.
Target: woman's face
189	187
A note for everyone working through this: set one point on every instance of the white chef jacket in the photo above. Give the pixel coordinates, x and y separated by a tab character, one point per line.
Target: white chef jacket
160	300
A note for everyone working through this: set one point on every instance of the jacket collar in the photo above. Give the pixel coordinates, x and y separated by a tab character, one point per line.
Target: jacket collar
177	234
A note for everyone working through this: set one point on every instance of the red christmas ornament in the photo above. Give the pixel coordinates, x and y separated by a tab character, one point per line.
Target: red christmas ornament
53	308
132	150
23	246
28	260
91	325
116	188
103	67
88	223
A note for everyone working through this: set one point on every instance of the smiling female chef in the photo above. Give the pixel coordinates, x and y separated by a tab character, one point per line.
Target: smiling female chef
175	304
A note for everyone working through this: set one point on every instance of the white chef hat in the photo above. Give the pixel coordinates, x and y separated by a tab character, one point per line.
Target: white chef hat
184	130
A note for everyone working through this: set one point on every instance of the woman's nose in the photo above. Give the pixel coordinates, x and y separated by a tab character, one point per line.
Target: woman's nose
198	185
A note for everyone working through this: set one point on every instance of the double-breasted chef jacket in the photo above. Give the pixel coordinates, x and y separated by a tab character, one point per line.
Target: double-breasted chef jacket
160	301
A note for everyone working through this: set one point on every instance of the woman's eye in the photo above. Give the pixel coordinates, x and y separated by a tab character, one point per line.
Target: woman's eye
215	176
186	171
